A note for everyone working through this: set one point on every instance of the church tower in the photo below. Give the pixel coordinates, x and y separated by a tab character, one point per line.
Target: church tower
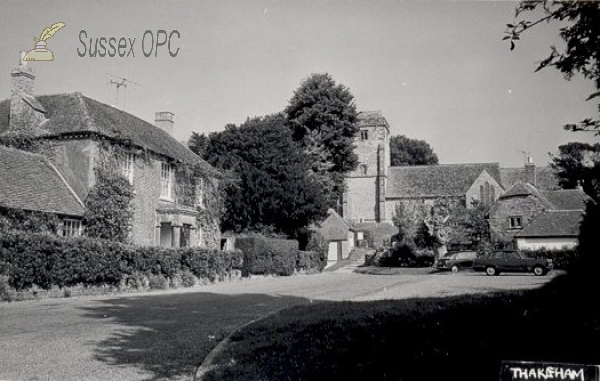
364	199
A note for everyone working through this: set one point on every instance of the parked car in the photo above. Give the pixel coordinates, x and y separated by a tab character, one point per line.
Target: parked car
511	261
456	261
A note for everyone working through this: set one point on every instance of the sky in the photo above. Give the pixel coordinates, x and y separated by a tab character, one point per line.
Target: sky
438	70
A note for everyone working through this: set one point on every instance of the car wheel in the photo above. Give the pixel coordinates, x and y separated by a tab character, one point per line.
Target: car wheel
539	270
455	269
491	271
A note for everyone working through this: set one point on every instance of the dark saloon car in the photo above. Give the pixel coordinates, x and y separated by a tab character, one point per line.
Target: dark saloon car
511	261
456	261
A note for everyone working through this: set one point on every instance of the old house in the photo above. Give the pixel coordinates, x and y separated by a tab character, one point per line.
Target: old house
533	218
173	205
30	183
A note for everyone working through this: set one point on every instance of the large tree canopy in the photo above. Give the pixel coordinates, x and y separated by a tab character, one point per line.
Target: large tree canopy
580	30
579	164
322	116
406	151
275	190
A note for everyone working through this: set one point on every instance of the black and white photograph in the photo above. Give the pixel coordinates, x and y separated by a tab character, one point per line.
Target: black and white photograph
311	190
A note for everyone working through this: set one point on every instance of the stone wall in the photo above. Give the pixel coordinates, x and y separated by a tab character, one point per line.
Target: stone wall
526	207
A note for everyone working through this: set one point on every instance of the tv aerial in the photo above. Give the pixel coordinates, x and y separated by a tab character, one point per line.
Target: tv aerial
119	82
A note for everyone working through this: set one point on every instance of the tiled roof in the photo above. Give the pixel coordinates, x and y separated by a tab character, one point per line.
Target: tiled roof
29	182
334	227
567	199
553	224
563	199
545	179
76	113
436	180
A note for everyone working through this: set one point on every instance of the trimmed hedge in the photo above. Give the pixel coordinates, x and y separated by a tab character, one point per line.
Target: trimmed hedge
269	256
46	261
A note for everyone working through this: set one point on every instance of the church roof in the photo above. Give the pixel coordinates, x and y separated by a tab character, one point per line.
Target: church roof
545	179
436	180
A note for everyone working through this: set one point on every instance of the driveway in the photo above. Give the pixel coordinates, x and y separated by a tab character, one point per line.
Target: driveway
166	335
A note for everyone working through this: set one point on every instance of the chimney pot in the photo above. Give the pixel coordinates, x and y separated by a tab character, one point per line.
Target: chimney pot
165	121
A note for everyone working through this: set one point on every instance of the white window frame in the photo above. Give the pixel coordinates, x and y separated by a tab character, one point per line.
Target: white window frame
127	166
71	227
166	182
364	134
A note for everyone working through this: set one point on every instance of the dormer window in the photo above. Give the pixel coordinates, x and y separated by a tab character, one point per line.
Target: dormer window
364	135
166	175
516	222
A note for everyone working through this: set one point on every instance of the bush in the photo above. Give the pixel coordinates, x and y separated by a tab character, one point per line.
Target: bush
317	243
158	282
46	261
268	256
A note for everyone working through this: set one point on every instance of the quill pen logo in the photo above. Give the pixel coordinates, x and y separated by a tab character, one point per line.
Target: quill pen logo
40	52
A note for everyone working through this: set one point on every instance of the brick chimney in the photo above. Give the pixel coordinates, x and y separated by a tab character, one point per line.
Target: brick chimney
530	171
21	86
165	121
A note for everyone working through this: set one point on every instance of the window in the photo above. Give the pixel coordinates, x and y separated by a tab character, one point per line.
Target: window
515	222
363	169
71	228
127	167
165	180
364	135
200	193
487	194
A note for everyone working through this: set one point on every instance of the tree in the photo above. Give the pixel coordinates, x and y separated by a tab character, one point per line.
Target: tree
406	151
581	34
322	116
579	164
108	212
197	143
580	30
275	190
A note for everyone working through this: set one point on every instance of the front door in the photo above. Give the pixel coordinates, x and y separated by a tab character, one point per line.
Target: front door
339	250
166	234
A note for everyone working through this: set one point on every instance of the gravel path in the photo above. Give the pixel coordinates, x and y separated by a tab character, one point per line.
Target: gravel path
166	335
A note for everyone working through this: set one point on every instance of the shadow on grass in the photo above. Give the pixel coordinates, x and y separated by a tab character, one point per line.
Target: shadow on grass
168	336
459	338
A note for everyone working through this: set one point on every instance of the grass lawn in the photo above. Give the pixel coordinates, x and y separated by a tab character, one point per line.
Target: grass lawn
459	338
